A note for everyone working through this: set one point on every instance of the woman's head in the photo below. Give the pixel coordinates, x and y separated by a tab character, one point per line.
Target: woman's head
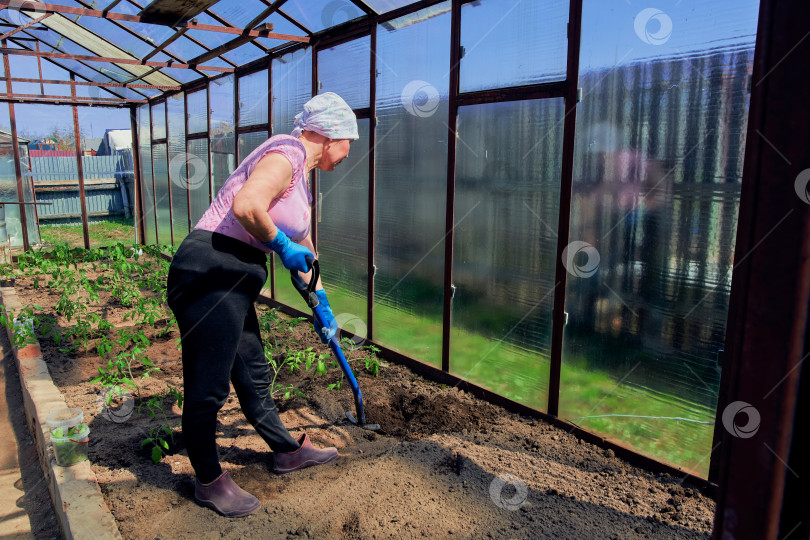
328	120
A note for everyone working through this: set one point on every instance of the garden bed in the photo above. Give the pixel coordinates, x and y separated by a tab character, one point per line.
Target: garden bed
445	464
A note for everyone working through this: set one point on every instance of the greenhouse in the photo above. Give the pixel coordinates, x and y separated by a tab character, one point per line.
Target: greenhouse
565	244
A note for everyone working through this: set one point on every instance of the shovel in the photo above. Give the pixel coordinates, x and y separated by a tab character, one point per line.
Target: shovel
307	292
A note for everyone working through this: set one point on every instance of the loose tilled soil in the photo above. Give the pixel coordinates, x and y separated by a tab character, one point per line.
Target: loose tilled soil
448	464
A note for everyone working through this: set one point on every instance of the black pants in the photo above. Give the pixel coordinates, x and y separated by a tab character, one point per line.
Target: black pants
212	285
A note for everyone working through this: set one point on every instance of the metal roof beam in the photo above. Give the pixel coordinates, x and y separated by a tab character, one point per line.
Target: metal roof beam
87	58
65	100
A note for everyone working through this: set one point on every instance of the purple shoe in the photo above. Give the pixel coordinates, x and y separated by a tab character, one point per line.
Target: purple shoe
225	497
306	456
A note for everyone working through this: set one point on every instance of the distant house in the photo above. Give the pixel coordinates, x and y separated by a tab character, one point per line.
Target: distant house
90	146
115	141
45	143
47	146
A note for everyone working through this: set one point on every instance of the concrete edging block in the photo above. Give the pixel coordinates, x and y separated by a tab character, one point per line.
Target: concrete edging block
75	492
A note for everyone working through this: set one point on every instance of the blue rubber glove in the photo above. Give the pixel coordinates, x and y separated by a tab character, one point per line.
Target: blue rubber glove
292	254
328	316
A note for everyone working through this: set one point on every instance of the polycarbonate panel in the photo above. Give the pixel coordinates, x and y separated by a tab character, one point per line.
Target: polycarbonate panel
8	192
658	160
508	43
238	12
319	14
120	38
248	142
197	106
160	167
159	121
343	235
292	87
384	6
177	166
508	159
222	138
31	222
253	99
411	180
345	70
199	183
147	189
244	54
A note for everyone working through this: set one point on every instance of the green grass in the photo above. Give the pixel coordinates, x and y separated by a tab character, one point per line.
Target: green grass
101	233
523	375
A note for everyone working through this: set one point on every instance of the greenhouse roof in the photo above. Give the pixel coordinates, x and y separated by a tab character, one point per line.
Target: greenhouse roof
126	52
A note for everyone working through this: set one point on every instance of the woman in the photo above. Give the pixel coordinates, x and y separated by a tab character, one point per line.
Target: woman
216	276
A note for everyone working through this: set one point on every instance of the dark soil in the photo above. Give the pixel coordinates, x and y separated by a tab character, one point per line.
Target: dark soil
445	465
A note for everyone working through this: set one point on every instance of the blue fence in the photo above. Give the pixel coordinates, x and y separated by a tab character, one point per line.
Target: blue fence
108	187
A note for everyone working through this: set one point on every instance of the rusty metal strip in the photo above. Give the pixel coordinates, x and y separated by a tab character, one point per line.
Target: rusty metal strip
130	61
452	121
564	217
87	83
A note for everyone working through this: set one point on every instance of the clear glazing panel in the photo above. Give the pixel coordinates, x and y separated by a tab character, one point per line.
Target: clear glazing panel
508	43
508	158
344	70
292	87
222	138
253	99
178	160
160	167
147	188
199	184
411	180
319	14
197	106
159	121
658	161
248	142
343	235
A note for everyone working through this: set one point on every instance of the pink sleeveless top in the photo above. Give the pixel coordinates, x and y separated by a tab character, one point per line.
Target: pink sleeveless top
290	212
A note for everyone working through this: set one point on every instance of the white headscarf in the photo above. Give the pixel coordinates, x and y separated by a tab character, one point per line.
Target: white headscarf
328	115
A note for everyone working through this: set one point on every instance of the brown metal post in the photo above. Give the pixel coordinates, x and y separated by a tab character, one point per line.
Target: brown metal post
563	223
271	259
168	171
80	168
16	149
770	292
314	174
455	59
152	168
136	165
372	142
185	148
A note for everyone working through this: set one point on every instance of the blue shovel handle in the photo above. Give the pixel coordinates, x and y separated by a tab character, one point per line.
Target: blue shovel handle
307	292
